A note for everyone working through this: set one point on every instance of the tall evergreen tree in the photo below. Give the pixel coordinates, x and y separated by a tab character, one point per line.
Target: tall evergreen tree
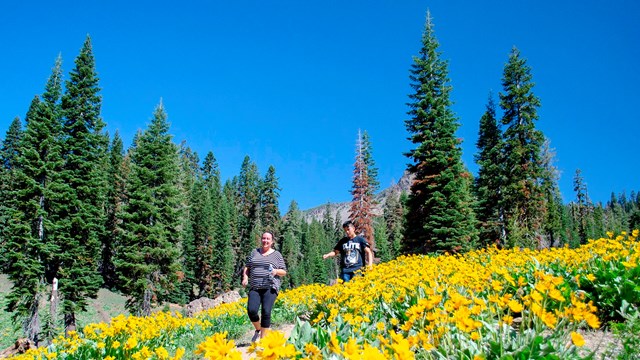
36	164
11	144
270	192
582	206
439	217
8	154
81	212
523	194
189	181
361	206
148	261
291	248
394	215
488	184
116	177
551	194
372	169
248	190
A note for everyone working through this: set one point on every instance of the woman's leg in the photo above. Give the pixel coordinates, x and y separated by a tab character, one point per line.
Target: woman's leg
253	305
268	299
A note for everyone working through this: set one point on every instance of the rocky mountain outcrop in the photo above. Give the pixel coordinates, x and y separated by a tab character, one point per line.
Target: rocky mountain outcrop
341	209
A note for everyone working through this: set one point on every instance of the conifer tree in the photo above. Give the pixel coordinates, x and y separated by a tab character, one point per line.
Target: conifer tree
553	201
292	246
8	154
372	169
81	212
270	192
488	184
192	200
523	195
439	217
360	209
223	256
11	144
147	263
36	165
582	206
382	240
116	177
248	189
394	216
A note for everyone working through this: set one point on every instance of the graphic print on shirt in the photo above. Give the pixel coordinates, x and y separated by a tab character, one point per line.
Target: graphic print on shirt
352	253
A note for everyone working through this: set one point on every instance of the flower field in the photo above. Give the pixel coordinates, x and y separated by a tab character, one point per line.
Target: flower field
486	304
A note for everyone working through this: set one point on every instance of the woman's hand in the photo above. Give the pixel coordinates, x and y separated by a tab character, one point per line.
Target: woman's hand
245	280
274	272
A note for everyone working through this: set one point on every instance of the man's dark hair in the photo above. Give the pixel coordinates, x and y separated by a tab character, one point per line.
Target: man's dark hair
347	224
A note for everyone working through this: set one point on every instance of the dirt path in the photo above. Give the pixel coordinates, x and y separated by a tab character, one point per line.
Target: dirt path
244	342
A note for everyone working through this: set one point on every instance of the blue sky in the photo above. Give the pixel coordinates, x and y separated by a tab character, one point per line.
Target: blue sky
289	83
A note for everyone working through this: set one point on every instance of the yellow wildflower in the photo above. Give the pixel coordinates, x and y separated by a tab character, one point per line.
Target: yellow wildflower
577	339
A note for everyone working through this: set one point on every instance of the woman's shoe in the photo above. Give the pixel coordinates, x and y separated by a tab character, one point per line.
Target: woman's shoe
255	337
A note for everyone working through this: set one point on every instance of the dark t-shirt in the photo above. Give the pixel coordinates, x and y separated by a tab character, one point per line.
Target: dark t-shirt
351	253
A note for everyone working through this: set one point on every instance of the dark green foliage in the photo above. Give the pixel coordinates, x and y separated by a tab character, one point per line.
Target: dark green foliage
248	208
31	247
11	144
552	227
147	262
488	184
269	194
116	177
440	217
82	198
316	269
372	170
384	251
394	216
8	154
523	198
291	246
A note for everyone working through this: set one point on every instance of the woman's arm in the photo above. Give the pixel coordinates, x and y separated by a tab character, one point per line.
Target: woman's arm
245	276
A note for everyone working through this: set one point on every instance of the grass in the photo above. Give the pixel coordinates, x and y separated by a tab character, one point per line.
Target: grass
107	305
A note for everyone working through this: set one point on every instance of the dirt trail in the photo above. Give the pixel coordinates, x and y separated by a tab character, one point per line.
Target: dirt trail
244	342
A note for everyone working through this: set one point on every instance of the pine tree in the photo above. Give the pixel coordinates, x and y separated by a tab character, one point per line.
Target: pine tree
81	212
439	217
394	215
292	246
116	178
195	218
488	184
582	206
382	240
553	201
11	144
372	169
223	256
269	194
36	164
523	194
248	190
360	209
8	155
147	263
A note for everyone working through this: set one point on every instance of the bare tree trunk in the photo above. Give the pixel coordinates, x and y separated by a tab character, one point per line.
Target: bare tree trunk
53	309
146	303
32	324
69	323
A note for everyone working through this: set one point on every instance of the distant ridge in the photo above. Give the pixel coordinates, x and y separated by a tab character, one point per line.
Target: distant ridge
341	209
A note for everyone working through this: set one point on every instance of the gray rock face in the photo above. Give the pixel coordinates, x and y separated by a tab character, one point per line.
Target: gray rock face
205	303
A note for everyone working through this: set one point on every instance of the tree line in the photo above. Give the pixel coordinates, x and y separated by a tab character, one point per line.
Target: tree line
156	223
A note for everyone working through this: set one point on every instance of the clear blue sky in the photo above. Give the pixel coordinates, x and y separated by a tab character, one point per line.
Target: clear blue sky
289	83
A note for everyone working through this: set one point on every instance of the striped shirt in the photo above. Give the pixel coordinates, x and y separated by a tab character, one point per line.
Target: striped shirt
258	265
